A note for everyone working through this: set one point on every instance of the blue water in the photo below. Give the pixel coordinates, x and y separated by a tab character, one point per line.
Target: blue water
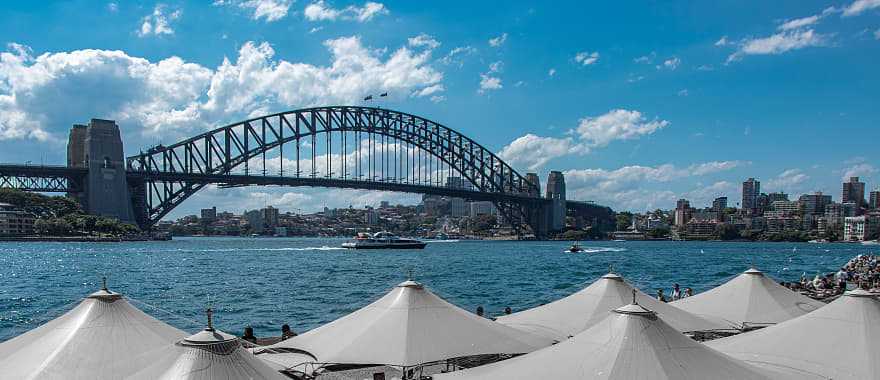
307	282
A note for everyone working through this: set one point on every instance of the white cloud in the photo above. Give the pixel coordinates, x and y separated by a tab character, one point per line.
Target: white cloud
551	72
683	92
858	170
533	151
705	68
112	7
799	22
586	58
270	10
877	34
438	98
321	11
498	41
646	59
455	56
489	83
722	41
860	6
496	67
788	181
158	22
617	124
779	43
40	96
670	64
629	187
423	40
430	90
315	29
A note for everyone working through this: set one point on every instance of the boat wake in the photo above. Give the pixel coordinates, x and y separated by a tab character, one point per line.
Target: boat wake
321	248
601	249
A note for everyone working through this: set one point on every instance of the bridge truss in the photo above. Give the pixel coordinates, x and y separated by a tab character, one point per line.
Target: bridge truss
43	178
340	146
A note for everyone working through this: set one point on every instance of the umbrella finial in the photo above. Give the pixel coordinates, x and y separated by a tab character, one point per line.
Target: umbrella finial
104	284
611	268
210	313
634	297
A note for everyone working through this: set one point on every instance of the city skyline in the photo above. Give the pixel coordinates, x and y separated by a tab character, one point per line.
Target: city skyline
635	117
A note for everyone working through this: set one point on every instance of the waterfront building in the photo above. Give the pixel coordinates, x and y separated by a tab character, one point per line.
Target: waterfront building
699	230
850	209
749	300
582	310
854	191
719	204
777	197
209	215
751	188
15	221
682	212
788	208
102	338
814	204
255	220
848	324
861	228
409	326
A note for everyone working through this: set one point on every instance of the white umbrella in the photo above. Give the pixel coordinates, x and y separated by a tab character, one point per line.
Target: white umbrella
630	343
98	339
570	315
208	354
840	340
407	327
749	299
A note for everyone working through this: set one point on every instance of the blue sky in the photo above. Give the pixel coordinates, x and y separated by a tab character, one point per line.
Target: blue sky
640	103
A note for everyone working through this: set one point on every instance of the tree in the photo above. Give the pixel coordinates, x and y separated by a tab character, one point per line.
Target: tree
658	233
725	231
623	220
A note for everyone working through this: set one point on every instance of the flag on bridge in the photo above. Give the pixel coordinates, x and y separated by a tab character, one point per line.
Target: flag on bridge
369	97
383	94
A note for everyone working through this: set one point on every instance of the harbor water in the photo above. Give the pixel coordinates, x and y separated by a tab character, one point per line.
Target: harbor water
267	282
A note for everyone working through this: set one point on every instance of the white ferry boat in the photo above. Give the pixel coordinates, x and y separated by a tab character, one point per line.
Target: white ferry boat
382	240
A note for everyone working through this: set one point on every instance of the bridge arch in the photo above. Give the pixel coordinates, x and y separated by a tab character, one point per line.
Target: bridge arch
164	176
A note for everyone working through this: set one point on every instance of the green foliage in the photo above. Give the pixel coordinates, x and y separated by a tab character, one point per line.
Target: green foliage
623	220
62	216
659	233
724	231
576	235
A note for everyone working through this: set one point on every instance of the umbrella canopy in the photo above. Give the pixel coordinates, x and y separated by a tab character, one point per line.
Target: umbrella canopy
631	343
410	326
749	299
98	339
840	340
570	315
209	354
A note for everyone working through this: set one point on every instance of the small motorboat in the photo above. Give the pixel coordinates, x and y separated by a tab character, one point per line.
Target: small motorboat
575	248
382	240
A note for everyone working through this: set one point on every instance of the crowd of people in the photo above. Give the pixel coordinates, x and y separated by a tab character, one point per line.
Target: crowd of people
677	294
861	271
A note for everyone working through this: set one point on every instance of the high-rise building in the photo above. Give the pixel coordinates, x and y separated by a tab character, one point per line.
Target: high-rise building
682	212
775	197
814	204
854	191
874	202
750	191
270	216
209	215
76	155
719	204
254	218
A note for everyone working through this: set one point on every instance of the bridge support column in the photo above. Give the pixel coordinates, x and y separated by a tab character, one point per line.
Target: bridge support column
106	190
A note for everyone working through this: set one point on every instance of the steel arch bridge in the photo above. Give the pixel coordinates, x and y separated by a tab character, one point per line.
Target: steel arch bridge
337	146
